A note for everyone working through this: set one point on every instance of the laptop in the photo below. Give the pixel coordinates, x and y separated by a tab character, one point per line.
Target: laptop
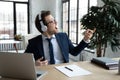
19	66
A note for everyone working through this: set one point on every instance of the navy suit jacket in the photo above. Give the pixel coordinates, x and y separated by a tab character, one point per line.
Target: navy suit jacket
35	46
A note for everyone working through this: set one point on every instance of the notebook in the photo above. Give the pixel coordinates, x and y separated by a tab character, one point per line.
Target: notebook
19	66
105	62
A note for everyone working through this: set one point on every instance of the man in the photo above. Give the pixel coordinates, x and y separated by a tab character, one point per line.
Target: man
61	45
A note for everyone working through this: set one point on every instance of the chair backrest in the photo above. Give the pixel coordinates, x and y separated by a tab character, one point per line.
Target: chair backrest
25	39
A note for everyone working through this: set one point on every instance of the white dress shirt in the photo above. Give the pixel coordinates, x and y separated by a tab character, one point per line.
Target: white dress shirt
58	57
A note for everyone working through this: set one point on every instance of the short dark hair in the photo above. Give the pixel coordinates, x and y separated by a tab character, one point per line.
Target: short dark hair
37	19
43	15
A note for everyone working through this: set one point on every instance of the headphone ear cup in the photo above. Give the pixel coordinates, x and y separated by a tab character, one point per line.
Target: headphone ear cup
43	27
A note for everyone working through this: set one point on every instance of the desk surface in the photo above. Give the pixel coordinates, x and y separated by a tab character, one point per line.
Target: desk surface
8	41
98	72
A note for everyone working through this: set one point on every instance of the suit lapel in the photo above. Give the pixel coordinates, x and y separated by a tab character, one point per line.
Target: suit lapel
59	40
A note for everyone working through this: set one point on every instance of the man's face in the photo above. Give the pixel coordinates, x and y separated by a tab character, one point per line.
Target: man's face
51	25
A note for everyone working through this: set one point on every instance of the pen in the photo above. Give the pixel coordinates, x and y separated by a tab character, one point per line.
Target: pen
68	68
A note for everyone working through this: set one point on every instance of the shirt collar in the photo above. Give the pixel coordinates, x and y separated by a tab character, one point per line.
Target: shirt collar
44	37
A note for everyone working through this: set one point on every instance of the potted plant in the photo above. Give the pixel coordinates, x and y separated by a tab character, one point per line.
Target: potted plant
18	37
106	20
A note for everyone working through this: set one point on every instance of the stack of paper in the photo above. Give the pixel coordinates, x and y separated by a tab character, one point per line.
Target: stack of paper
72	70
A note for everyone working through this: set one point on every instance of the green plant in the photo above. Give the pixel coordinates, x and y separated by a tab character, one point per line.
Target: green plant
106	20
18	37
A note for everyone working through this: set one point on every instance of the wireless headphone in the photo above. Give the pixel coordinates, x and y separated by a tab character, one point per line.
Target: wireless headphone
43	27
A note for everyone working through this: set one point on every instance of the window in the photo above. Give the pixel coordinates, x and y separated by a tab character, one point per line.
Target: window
21	19
14	18
6	20
73	10
65	17
73	20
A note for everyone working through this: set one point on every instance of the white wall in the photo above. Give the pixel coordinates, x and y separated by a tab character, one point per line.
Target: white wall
37	5
99	3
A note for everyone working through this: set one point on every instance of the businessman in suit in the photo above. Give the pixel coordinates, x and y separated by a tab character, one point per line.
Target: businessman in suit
61	45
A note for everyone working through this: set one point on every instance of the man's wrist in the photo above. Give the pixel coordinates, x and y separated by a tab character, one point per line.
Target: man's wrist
86	41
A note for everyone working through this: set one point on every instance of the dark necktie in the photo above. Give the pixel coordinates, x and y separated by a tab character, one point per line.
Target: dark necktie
52	61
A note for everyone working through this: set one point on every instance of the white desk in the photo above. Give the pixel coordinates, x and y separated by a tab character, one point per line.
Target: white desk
4	44
8	41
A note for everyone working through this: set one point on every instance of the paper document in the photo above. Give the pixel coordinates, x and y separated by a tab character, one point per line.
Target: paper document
72	70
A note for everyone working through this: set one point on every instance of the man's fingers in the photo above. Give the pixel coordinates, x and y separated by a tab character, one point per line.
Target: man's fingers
94	30
91	31
44	62
41	59
41	63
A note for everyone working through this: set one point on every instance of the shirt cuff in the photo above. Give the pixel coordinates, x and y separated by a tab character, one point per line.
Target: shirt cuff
86	41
